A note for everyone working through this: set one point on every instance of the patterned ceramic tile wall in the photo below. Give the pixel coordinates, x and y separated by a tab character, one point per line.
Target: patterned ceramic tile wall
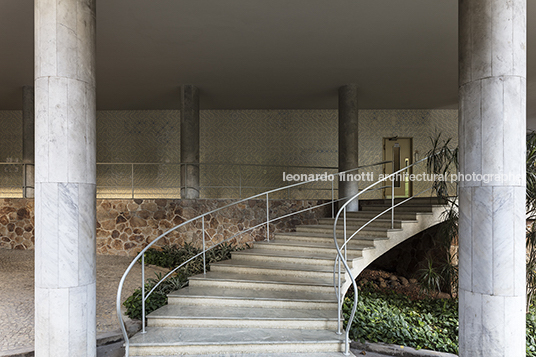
265	137
260	137
421	125
10	151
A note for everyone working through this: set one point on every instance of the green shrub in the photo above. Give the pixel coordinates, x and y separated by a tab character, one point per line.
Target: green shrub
395	319
171	257
431	323
158	298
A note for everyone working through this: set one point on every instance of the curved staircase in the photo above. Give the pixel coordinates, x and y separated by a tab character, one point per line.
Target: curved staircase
278	298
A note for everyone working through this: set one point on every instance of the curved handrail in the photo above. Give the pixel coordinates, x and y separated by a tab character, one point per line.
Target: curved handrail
340	258
141	254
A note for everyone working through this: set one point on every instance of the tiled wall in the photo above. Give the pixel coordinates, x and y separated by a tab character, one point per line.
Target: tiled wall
264	138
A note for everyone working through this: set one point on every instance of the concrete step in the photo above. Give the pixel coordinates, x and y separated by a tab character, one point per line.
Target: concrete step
371	214
273	268
290	257
224	280
243	317
357	243
358	222
202	296
327	229
169	341
284	354
306	247
401	208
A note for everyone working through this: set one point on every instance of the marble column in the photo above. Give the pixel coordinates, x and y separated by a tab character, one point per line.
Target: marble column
65	178
28	137
348	142
190	142
492	115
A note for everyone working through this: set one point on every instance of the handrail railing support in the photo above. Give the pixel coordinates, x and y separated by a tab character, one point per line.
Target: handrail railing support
332	200
393	199
204	257
143	294
267	218
132	179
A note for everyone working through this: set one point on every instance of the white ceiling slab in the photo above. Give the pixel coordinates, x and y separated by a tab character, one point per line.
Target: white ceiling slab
253	54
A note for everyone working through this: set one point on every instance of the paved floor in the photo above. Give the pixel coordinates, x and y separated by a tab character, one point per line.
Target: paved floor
17	299
117	350
17	295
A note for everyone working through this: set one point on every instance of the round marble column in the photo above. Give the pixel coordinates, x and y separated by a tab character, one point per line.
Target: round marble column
348	141
190	141
28	140
65	176
492	115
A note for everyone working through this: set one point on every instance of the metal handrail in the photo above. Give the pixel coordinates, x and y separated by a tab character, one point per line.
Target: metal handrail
141	255
337	279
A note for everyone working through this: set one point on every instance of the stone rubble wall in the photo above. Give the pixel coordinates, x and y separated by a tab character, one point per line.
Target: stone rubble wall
125	226
17	223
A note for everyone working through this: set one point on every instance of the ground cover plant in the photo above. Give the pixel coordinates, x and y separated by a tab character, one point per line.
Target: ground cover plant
389	317
171	257
385	316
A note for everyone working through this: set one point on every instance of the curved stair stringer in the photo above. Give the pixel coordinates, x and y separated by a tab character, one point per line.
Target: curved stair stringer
408	229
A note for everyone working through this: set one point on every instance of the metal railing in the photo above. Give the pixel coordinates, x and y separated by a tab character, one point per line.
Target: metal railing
269	220
216	180
342	251
168	180
13	178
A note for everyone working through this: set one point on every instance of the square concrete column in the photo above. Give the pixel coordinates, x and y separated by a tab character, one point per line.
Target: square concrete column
65	179
348	142
189	142
28	140
492	122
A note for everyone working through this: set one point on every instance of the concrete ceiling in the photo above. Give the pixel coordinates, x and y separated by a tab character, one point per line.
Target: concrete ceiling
253	54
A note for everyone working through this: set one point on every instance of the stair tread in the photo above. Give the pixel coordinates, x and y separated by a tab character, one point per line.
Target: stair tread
263	278
357	219
326	226
268	354
322	235
274	265
309	244
174	311
250	294
185	336
294	254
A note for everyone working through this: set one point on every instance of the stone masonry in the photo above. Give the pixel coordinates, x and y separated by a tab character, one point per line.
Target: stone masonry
125	226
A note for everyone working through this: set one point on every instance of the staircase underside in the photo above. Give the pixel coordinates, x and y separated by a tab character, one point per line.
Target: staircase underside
276	299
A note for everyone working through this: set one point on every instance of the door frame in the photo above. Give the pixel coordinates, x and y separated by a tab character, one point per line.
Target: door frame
384	152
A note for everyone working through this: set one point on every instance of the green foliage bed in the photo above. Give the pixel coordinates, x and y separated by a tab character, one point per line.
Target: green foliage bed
431	323
171	257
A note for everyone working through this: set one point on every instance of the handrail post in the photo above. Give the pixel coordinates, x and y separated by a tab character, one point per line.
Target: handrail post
345	242
239	181
267	218
332	201
339	299
132	179
143	293
204	257
24	180
393	198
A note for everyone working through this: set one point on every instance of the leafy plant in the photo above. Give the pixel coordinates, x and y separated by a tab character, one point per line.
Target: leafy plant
170	257
531	174
531	213
443	163
430	279
158	298
395	319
